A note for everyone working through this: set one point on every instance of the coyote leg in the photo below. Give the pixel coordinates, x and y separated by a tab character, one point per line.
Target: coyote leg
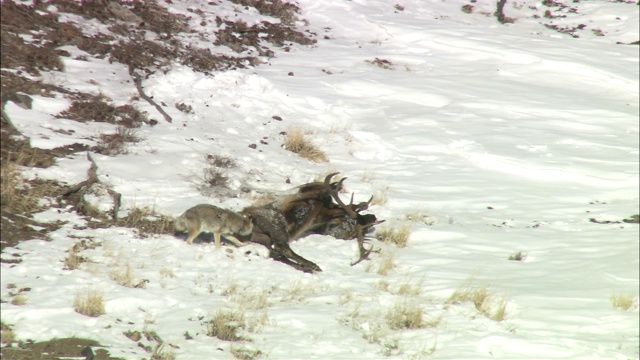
216	236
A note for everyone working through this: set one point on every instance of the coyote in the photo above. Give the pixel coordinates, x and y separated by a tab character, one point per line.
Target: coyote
209	218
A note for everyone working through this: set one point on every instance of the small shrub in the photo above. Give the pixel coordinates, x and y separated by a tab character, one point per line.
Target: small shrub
398	235
296	142
623	302
213	177
89	303
225	325
221	161
519	256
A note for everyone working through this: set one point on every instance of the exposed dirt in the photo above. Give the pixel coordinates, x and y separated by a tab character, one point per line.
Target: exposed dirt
56	349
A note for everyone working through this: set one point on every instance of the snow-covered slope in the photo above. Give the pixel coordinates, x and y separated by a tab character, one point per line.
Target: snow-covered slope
487	139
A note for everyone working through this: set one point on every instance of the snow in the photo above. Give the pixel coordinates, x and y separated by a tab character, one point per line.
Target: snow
504	138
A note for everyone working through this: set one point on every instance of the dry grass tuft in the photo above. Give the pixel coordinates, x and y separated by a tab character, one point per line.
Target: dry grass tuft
147	221
404	315
163	352
490	306
385	265
89	303
123	276
7	336
243	353
296	142
380	197
625	302
99	109
398	234
116	143
226	325
18	195
19	300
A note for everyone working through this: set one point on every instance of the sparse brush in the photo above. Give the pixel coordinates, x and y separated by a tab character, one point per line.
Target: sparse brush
147	221
73	260
296	142
405	316
243	353
226	324
20	196
214	177
380	197
99	108
89	303
163	352
386	264
298	291
114	144
407	288
123	276
221	161
7	336
623	302
490	306
396	234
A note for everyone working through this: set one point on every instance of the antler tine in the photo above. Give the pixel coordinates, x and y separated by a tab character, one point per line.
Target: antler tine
327	179
334	194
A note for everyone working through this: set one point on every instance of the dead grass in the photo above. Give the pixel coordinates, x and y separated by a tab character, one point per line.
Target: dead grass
625	302
397	234
226	325
123	276
244	353
380	197
20	196
19	300
147	221
486	303
73	260
403	315
99	108
89	303
116	143
297	142
163	351
384	265
7	336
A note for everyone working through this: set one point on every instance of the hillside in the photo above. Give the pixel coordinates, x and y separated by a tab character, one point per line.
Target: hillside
500	149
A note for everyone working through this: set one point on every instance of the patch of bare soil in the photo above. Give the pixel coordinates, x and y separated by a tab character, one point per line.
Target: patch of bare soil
56	349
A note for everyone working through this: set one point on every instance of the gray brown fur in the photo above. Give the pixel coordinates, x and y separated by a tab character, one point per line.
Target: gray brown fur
208	218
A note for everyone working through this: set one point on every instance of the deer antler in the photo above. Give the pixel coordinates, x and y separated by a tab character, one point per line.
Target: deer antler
361	226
